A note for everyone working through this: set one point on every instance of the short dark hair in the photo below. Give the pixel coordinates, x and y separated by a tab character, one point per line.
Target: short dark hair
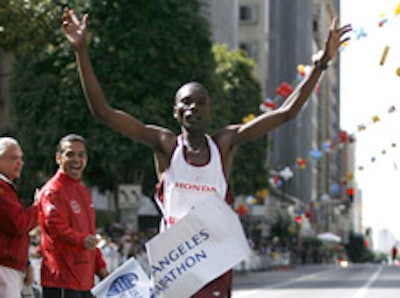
195	85
70	138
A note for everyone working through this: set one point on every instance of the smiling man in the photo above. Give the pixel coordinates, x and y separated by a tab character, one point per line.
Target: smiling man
15	221
67	219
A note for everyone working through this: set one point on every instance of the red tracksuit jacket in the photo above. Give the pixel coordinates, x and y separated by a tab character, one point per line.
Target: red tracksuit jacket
15	223
66	217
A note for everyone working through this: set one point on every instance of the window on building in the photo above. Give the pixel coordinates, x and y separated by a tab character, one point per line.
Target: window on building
248	13
316	28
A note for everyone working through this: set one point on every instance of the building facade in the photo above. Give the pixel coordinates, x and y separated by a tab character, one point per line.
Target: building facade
286	34
223	18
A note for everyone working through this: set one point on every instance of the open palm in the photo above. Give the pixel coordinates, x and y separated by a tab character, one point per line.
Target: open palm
335	38
74	30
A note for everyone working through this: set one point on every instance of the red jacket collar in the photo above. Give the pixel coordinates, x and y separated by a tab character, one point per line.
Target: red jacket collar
64	177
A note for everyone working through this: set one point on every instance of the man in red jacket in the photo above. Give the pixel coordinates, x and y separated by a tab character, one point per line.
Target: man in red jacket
15	221
70	258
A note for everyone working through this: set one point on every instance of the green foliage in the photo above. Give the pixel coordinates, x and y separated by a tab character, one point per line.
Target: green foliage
25	25
282	229
357	251
16	20
142	52
241	95
105	218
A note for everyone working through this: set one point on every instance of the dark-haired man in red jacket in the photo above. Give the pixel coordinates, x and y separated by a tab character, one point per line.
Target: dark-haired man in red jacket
70	258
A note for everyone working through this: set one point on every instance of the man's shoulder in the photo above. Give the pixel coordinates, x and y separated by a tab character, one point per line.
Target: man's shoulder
4	187
53	185
225	136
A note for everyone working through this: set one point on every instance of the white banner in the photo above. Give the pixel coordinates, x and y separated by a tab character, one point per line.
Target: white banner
128	280
203	245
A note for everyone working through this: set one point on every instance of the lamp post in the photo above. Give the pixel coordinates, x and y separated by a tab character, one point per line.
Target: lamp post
285	175
326	200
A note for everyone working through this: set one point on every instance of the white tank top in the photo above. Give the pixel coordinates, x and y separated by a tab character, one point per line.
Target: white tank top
185	184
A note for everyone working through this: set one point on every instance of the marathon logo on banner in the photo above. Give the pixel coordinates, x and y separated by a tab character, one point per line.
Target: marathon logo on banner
179	260
128	280
203	245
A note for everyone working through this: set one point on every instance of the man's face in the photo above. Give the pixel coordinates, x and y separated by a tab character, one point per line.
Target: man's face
73	158
11	162
192	108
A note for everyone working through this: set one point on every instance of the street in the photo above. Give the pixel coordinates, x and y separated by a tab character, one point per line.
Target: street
355	281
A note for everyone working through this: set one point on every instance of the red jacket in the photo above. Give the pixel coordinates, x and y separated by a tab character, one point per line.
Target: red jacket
66	217
15	223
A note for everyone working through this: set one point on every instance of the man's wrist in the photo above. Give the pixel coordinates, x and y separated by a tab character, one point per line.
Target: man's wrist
321	61
321	65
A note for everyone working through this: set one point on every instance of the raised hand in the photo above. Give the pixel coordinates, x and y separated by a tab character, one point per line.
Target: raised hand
74	30
336	37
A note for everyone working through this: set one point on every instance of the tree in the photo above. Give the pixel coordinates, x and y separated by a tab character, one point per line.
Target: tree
24	24
241	95
283	229
141	57
356	249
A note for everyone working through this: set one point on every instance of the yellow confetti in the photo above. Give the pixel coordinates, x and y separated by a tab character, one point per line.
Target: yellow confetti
375	119
384	55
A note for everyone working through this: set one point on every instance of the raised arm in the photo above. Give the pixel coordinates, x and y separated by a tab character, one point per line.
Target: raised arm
75	31
293	104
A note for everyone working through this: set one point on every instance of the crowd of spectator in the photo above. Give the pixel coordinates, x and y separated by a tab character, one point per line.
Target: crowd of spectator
117	244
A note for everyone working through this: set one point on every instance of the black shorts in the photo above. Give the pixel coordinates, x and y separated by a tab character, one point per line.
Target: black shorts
64	293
